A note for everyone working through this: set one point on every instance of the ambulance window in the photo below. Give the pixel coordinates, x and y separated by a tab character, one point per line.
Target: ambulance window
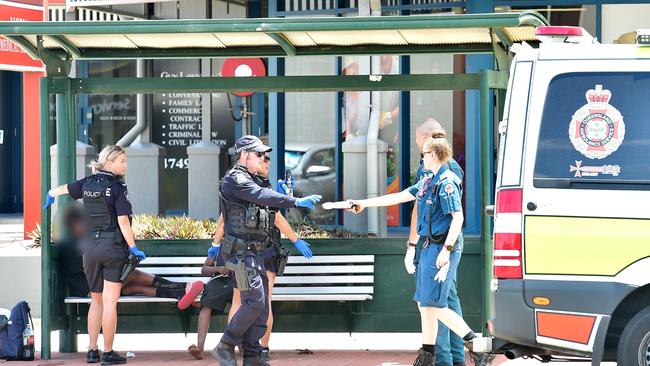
595	132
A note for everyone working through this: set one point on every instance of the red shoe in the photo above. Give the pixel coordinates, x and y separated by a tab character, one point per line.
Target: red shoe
192	290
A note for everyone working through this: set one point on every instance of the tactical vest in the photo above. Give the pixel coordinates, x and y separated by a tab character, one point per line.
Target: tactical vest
246	220
100	217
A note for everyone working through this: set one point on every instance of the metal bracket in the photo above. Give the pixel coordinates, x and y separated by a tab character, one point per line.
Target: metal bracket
503	58
54	65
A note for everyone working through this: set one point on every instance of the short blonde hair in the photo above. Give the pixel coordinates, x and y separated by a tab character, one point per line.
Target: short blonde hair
109	153
437	143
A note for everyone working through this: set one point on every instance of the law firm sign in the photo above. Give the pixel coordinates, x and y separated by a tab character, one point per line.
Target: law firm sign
12	57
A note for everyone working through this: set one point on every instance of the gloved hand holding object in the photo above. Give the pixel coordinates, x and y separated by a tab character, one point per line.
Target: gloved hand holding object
49	200
137	252
214	250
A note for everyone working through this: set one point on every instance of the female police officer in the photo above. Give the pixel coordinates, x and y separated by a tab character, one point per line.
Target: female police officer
440	219
109	229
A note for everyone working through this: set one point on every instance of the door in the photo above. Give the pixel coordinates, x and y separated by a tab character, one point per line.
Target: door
11	164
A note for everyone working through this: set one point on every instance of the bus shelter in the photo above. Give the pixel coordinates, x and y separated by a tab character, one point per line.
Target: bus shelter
58	44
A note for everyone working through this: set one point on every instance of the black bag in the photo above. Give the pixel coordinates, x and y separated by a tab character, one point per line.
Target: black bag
17	339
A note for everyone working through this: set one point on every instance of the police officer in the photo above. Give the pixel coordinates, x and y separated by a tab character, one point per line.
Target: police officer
247	222
449	347
105	245
439	222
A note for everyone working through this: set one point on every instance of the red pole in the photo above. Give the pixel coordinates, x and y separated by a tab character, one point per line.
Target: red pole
31	150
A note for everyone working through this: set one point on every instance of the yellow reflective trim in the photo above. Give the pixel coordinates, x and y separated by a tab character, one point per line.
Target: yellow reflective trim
584	246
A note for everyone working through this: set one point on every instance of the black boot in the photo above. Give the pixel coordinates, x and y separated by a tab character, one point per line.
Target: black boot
255	361
424	358
174	293
112	358
92	356
478	358
225	354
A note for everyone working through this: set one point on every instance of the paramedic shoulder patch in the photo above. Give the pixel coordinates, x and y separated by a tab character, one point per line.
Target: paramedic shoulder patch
597	129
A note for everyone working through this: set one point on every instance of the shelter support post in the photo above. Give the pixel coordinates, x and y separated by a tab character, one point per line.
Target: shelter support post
46	271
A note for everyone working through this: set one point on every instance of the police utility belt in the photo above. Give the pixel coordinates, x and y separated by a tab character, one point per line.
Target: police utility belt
233	245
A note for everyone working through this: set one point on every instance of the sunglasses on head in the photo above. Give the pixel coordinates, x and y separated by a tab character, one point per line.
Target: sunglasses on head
424	153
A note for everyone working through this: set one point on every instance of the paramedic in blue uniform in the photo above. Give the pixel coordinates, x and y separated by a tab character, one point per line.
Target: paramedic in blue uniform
449	347
247	221
105	248
439	222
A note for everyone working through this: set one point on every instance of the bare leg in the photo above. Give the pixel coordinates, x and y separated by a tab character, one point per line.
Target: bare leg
269	323
133	289
109	314
429	325
204	324
235	303
137	277
94	318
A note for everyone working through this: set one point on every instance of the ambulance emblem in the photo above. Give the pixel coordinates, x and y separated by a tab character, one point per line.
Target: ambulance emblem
597	128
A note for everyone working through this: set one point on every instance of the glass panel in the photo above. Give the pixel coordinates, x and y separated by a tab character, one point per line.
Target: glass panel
593	131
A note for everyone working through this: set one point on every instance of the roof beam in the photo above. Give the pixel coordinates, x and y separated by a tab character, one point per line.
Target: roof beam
279	84
66	45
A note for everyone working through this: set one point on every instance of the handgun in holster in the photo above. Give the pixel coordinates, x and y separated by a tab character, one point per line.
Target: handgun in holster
132	262
282	259
241	277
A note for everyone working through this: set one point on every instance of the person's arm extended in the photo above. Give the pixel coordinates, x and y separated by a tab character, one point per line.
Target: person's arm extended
125	228
385	200
249	191
282	224
58	191
413	233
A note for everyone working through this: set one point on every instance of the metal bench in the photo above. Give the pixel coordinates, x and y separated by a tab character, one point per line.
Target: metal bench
321	278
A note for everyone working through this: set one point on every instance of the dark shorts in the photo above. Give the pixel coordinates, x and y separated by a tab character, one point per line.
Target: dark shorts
103	260
217	294
270	257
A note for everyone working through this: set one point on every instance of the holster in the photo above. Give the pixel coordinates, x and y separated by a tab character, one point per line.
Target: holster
241	274
133	261
282	259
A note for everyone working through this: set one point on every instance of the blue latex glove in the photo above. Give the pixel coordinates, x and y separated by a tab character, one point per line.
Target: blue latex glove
303	248
308	201
49	200
137	252
281	187
213	251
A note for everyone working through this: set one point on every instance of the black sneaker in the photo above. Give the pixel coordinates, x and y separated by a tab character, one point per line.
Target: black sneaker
225	354
266	354
92	356
255	361
424	358
112	358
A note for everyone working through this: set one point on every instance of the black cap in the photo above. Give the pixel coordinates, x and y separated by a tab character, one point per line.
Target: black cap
250	143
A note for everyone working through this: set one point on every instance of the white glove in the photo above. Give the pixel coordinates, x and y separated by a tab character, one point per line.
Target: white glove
408	260
441	276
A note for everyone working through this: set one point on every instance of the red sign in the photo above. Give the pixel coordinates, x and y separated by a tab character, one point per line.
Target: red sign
13	57
243	67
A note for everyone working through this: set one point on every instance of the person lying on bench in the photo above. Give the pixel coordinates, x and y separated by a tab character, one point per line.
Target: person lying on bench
217	294
72	229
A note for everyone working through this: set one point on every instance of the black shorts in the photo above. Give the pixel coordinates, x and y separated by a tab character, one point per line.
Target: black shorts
103	260
270	256
217	294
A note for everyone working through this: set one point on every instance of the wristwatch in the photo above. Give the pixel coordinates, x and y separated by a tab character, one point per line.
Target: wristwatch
409	244
449	247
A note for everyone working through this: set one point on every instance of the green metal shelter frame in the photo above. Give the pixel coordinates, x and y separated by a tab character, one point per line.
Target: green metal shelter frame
58	44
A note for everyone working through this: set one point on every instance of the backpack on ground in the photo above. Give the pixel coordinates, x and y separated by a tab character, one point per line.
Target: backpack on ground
17	338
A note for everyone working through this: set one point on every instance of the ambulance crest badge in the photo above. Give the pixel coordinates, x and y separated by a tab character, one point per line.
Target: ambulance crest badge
597	129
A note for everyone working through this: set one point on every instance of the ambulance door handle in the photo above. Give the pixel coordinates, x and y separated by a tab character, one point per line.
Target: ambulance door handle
531	206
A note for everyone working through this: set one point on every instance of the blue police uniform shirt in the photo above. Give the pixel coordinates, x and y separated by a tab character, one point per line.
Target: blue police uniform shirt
117	198
437	197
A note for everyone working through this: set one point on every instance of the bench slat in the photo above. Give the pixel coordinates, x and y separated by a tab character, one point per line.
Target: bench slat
329	269
123	299
282	280
322	297
323	290
157	261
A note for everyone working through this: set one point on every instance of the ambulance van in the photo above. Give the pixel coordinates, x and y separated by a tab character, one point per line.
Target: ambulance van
572	213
